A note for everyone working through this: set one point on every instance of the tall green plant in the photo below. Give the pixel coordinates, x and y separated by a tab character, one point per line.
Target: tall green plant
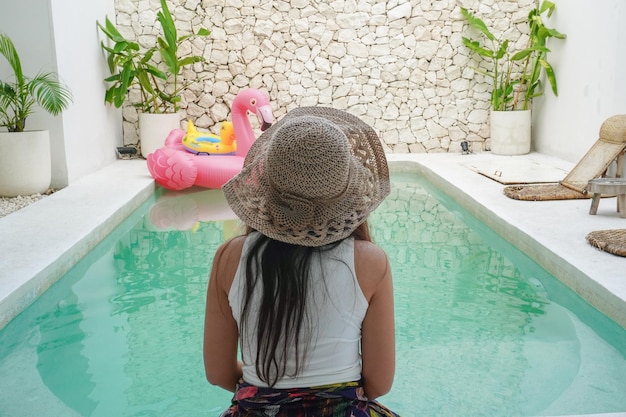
17	99
516	76
159	82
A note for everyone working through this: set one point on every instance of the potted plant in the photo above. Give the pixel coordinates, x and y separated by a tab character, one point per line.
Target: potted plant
516	77
25	165
155	72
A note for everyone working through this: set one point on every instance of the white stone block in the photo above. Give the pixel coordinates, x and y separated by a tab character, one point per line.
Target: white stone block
125	6
352	20
400	12
426	49
233	26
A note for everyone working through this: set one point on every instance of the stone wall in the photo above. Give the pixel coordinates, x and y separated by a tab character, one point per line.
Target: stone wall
400	65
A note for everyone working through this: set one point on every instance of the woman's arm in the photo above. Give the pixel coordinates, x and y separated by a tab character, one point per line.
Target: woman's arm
378	330
220	328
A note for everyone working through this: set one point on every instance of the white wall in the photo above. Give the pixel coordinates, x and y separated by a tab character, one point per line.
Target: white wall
92	130
61	36
28	25
591	73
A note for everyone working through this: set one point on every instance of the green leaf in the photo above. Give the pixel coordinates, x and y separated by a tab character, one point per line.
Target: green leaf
521	54
190	60
549	75
475	47
167	24
170	60
119	95
126	76
553	33
504	46
108	96
145	83
7	49
547	5
477	23
111	31
120	47
113	78
150	69
203	32
147	56
50	94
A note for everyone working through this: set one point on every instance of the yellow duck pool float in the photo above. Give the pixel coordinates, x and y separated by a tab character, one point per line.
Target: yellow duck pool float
200	143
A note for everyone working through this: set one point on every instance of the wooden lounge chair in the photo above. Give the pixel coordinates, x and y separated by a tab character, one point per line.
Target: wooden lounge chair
610	146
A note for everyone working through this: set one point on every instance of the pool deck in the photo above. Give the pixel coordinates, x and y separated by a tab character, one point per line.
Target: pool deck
42	241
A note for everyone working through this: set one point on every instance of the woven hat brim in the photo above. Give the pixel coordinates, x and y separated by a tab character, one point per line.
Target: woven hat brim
249	194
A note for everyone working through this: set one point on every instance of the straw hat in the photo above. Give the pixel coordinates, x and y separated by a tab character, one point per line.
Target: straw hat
312	178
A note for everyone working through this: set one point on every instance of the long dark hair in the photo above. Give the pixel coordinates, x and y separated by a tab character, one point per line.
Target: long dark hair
281	324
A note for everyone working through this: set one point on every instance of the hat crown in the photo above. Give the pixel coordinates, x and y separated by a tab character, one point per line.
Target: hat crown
312	178
310	158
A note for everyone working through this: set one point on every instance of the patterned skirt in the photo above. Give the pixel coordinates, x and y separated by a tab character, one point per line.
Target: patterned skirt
337	400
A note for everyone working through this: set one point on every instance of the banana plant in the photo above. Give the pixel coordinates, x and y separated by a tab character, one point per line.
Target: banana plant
536	58
515	74
18	98
159	82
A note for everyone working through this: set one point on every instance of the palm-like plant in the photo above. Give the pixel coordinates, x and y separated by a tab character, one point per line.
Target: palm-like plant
17	99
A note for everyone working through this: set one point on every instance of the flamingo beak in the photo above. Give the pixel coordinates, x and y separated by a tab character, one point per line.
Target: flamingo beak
265	116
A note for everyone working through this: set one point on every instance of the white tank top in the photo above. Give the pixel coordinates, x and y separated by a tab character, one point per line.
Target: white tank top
337	307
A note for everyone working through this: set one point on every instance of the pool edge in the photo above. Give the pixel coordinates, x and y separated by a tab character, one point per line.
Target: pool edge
558	261
50	236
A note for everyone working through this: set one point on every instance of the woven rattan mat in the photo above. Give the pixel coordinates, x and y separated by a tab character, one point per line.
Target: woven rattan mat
611	241
543	192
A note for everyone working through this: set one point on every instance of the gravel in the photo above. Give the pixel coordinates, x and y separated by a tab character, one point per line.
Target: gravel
10	204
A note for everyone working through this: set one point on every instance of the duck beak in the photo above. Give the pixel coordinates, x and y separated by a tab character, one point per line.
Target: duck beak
265	116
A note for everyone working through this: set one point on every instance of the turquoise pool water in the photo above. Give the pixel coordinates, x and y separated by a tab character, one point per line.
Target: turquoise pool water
481	329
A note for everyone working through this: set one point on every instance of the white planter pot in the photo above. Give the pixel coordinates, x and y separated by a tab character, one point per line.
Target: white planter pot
154	128
25	163
510	132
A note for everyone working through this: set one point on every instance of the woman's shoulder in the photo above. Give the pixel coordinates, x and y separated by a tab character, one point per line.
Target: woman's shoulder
371	266
365	250
226	260
232	247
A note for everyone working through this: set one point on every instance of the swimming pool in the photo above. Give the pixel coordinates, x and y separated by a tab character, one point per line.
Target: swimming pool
482	330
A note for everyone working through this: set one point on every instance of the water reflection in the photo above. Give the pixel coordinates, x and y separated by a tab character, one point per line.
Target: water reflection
59	356
182	210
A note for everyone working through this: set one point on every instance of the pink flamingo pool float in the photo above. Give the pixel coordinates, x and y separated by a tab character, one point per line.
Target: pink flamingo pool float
176	169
